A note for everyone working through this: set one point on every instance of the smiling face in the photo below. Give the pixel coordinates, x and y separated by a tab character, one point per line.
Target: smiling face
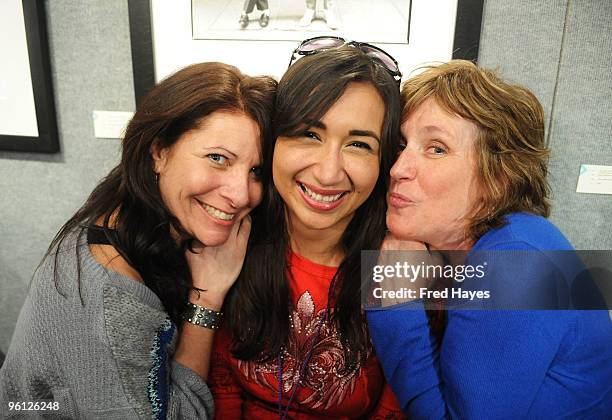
328	170
207	178
434	184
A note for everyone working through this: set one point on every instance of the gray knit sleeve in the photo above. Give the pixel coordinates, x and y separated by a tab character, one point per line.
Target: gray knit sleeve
101	346
142	341
190	397
31	372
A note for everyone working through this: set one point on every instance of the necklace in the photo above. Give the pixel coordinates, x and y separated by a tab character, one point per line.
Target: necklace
284	410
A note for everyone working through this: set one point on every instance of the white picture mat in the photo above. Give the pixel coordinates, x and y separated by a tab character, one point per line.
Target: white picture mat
383	21
17	110
431	40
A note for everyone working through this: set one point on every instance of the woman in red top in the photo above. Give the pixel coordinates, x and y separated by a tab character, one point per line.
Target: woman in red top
295	343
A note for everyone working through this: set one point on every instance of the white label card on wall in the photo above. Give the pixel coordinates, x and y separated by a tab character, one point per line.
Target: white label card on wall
595	179
110	124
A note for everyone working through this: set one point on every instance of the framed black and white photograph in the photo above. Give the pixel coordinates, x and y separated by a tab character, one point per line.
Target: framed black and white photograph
28	122
384	21
258	36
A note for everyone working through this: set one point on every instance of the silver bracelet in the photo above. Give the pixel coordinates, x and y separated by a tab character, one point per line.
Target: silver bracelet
201	316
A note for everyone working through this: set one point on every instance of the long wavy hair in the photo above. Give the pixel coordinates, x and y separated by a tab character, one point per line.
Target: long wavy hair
128	199
259	304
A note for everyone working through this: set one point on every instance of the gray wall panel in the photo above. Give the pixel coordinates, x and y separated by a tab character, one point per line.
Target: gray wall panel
561	50
522	39
581	129
91	65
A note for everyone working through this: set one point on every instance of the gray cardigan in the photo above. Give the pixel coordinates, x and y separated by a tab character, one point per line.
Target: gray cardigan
104	354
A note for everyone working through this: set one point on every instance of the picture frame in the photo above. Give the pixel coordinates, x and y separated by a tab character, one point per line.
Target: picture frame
26	98
163	40
388	22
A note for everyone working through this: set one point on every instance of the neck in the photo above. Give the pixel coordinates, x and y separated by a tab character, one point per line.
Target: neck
320	246
461	245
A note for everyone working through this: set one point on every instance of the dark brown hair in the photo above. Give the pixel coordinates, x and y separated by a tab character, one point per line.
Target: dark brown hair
511	154
130	193
259	305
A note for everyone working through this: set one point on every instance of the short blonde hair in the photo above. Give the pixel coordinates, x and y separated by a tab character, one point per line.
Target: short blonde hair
512	157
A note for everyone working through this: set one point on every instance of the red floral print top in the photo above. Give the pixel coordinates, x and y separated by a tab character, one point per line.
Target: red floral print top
328	389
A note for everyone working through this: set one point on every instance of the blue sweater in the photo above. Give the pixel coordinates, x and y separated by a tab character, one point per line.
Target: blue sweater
500	364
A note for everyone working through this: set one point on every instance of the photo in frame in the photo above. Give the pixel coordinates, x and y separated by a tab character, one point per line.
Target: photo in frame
28	122
167	36
385	21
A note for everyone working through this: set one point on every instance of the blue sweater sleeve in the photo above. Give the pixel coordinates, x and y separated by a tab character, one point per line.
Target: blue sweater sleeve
503	363
410	358
491	363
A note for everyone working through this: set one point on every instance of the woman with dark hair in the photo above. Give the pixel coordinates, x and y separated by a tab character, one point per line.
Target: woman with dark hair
295	343
121	312
471	183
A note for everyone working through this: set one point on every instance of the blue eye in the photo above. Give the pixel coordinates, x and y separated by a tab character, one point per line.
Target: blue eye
217	158
437	150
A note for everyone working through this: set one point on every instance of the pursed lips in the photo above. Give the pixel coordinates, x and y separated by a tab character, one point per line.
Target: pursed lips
398	200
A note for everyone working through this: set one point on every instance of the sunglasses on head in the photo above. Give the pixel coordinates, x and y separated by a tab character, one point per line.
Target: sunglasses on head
322	43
